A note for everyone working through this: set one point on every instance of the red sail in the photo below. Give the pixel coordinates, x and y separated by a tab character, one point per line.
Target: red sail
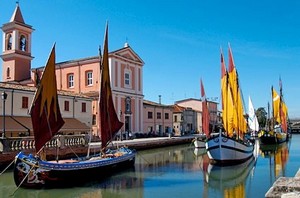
205	112
109	123
45	113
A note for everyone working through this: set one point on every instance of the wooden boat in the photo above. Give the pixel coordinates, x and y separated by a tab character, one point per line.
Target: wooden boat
32	171
230	146
276	134
199	142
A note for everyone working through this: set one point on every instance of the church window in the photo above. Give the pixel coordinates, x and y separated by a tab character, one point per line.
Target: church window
127	78
8	72
23	43
9	42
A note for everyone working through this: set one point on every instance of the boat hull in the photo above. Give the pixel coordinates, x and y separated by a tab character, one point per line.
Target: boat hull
269	137
199	143
224	150
31	172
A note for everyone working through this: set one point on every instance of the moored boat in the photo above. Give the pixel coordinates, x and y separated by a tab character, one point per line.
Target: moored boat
230	146
34	171
278	133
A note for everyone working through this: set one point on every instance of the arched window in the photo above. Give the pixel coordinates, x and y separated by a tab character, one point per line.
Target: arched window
8	42
23	43
8	72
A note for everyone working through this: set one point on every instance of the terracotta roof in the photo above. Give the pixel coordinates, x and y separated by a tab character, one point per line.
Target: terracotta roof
17	15
178	109
147	102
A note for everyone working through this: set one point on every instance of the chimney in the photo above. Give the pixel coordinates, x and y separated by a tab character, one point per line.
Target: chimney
159	100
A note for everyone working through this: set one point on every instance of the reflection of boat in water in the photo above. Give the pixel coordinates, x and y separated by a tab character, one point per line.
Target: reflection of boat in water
199	151
230	179
278	155
114	186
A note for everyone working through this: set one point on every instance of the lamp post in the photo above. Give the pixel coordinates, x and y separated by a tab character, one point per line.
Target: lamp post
121	135
3	97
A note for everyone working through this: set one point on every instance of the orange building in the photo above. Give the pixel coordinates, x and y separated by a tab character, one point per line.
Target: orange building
78	75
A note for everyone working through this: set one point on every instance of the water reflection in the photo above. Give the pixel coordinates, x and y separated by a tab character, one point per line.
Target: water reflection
229	180
277	156
178	171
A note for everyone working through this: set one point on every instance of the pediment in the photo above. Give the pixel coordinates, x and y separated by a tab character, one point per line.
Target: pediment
128	53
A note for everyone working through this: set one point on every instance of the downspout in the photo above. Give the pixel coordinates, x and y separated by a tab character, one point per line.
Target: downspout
12	102
60	72
74	106
79	74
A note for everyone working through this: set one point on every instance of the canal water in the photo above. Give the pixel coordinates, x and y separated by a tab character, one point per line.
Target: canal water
181	171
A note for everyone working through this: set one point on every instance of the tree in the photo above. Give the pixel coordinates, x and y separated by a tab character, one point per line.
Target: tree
261	115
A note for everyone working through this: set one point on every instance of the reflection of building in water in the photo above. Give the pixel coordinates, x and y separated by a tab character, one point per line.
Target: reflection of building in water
168	156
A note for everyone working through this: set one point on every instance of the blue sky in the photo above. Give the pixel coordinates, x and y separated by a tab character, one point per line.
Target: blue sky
179	41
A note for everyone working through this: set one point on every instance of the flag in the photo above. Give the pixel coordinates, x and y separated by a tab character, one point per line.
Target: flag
109	123
45	113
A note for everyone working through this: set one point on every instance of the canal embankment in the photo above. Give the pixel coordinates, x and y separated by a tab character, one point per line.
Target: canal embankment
81	150
285	187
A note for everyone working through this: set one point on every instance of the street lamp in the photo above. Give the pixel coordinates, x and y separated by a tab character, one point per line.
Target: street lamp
3	97
121	135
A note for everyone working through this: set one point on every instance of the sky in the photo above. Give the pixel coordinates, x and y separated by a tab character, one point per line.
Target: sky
179	42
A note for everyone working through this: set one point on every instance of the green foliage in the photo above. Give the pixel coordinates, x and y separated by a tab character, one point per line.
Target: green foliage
261	115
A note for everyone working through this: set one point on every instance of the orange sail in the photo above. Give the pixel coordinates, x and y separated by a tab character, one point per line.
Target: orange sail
205	112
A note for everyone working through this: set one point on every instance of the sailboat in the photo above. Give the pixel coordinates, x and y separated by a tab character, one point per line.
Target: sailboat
252	119
277	133
230	146
32	171
199	142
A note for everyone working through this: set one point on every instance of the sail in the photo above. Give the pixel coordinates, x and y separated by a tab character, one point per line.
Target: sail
227	102
276	105
240	124
252	119
45	113
205	112
109	123
283	109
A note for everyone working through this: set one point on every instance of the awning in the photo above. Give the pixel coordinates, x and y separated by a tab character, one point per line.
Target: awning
24	124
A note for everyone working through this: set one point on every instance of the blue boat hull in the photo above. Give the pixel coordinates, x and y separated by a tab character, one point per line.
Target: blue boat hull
31	172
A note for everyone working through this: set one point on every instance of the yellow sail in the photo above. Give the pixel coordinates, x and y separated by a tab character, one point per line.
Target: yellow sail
240	124
276	105
227	102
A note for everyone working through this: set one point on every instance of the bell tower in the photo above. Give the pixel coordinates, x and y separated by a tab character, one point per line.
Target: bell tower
16	54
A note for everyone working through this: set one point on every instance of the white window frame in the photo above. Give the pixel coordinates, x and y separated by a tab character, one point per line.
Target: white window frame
127	78
89	78
71	80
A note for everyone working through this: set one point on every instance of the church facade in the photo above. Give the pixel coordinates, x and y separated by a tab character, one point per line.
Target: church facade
80	76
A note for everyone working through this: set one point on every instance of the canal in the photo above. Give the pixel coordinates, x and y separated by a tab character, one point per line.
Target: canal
181	171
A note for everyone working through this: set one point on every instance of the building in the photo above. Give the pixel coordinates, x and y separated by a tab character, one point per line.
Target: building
158	119
16	104
188	115
81	76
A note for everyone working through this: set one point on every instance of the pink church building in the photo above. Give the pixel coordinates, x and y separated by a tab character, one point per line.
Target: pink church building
79	75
